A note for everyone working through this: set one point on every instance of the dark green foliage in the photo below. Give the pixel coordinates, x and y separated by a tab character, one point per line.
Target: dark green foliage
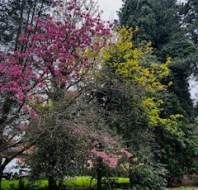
54	154
160	23
149	177
181	91
189	11
120	103
157	21
178	154
172	29
58	151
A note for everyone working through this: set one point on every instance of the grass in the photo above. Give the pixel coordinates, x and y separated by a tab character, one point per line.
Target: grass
9	184
6	183
185	188
121	180
82	182
77	183
41	183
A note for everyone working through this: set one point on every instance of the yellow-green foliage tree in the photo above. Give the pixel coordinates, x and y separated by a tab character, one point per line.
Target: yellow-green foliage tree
133	66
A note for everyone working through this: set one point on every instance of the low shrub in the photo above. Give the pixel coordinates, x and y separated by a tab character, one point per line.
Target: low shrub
148	177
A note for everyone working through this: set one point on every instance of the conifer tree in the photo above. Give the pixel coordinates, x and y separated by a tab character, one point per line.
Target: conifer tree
159	22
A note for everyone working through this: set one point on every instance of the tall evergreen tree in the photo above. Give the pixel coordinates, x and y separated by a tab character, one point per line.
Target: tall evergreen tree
189	12
159	22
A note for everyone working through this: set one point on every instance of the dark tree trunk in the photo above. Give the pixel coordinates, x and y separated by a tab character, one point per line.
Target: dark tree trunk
60	185
131	176
22	4
2	167
51	183
130	180
1	176
99	174
0	180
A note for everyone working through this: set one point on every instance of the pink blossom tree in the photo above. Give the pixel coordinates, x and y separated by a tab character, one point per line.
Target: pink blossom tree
54	55
104	159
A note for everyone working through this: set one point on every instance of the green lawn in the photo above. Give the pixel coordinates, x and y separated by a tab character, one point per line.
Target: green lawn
77	183
185	188
6	184
82	182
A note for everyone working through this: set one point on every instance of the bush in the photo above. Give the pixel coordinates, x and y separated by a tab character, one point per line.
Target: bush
149	177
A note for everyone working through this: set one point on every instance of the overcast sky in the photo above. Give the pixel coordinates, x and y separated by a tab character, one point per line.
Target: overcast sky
109	8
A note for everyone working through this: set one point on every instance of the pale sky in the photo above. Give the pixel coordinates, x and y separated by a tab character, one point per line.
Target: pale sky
109	8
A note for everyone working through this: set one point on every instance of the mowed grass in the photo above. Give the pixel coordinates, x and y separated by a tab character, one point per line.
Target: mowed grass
185	188
7	184
82	182
76	183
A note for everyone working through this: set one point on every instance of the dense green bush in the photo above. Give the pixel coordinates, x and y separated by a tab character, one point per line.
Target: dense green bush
149	177
179	154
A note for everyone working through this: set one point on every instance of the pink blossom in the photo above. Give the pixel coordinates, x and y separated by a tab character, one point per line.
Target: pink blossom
30	28
23	39
109	159
55	50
